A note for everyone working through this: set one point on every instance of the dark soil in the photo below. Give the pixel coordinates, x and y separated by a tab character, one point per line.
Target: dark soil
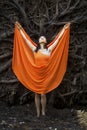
23	117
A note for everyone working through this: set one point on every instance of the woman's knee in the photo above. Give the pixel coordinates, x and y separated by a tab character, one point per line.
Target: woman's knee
43	96
37	95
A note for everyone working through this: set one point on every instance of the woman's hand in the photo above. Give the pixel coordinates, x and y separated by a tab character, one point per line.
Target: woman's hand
18	25
67	25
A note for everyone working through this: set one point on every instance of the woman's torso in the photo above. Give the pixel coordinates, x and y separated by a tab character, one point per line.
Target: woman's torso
42	57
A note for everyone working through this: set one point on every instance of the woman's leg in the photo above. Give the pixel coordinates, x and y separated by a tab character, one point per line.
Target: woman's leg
43	103
37	102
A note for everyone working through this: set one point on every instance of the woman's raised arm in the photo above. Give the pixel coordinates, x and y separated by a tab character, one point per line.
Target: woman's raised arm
50	48
25	38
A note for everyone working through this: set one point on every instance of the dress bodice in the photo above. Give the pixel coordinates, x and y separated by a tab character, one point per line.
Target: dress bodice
41	57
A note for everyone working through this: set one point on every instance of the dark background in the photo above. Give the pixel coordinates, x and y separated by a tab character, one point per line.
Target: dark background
45	17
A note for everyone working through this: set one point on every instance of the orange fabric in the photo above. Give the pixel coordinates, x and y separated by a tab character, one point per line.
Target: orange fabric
36	71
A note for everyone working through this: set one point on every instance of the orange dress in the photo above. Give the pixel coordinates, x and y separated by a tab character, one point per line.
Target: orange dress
38	72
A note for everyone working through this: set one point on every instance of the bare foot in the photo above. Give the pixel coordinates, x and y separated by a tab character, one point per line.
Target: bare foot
38	114
43	113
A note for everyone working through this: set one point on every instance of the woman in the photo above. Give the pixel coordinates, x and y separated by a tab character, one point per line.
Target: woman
47	52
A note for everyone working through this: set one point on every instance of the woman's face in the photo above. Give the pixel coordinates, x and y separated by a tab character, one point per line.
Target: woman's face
42	39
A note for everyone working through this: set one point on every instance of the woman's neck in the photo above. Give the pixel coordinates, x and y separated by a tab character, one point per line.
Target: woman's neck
42	46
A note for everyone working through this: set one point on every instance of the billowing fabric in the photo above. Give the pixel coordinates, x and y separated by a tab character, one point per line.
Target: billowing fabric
38	72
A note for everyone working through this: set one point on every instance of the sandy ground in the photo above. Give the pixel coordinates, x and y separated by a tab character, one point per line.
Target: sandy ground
23	117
